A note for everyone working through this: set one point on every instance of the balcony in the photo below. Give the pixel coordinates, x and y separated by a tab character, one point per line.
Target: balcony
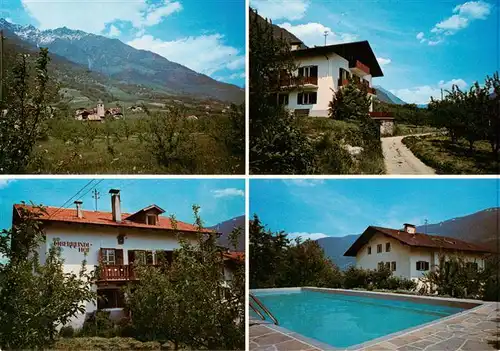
298	81
359	68
344	82
116	272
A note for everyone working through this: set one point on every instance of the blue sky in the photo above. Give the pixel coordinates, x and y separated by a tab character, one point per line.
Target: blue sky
338	207
207	36
422	45
220	199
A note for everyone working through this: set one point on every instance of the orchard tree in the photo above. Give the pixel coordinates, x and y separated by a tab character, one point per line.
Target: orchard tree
24	110
188	302
36	298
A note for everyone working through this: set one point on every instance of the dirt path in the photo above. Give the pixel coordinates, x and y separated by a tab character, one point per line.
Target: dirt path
399	159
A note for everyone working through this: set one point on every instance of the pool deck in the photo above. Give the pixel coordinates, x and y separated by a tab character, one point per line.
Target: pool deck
476	329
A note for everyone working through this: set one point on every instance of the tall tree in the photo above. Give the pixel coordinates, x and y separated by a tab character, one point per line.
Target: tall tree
36	298
188	302
277	144
24	111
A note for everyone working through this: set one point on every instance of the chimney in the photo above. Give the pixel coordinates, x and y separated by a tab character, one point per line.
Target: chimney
115	205
79	212
410	228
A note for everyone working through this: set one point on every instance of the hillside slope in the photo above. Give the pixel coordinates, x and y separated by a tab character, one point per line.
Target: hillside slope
226	227
126	65
388	97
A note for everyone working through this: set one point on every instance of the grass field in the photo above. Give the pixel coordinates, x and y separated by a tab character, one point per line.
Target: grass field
446	157
137	144
406	129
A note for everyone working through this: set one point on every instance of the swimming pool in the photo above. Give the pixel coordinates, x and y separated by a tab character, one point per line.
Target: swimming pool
343	320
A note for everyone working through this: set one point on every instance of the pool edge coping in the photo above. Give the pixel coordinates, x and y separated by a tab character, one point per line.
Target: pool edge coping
370	343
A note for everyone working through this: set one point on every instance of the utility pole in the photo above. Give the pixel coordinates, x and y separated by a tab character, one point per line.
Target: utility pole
441	94
426	221
96	196
325	34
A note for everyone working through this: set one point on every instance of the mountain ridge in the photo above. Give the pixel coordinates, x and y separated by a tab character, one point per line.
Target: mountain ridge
386	96
125	64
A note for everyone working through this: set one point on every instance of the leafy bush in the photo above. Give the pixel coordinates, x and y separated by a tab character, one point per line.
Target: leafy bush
99	343
98	324
67	331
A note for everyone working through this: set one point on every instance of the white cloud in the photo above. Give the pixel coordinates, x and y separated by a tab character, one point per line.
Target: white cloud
206	54
473	9
383	61
304	182
114	31
463	16
93	15
10	20
236	64
228	192
281	9
304	235
314	34
422	94
5	182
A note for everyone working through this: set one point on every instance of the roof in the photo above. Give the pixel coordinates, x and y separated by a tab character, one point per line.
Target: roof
415	240
235	256
359	50
53	214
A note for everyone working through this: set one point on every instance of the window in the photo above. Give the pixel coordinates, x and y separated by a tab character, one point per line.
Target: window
151	219
380	266
344	74
388	265
422	266
108	256
306	98
472	265
379	248
308	71
387	247
283	99
369	250
393	266
110	298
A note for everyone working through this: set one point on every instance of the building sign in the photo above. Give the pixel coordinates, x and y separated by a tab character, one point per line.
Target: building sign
82	246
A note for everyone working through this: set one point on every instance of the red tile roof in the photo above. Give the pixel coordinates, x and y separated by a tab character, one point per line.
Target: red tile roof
235	256
105	218
415	240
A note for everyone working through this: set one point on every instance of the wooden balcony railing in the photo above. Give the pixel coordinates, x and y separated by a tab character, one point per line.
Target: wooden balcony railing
344	82
358	65
116	272
296	81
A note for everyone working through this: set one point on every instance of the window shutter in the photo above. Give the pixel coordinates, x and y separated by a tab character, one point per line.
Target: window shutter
119	256
299	98
314	71
101	255
313	98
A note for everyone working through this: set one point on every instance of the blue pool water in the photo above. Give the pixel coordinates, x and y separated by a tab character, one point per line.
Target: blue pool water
344	320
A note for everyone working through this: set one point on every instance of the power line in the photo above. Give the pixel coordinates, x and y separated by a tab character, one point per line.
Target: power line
71	198
88	191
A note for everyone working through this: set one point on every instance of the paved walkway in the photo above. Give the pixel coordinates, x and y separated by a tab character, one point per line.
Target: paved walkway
398	159
473	330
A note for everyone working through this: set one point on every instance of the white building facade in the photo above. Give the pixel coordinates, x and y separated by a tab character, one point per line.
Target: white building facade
409	254
112	241
323	71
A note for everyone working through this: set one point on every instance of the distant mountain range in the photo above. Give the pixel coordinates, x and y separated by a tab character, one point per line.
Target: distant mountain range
118	67
226	227
387	97
478	228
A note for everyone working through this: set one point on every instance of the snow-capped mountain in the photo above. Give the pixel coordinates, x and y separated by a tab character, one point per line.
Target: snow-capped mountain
123	63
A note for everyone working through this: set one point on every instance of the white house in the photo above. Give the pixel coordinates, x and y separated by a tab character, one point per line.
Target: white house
323	70
114	241
407	253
